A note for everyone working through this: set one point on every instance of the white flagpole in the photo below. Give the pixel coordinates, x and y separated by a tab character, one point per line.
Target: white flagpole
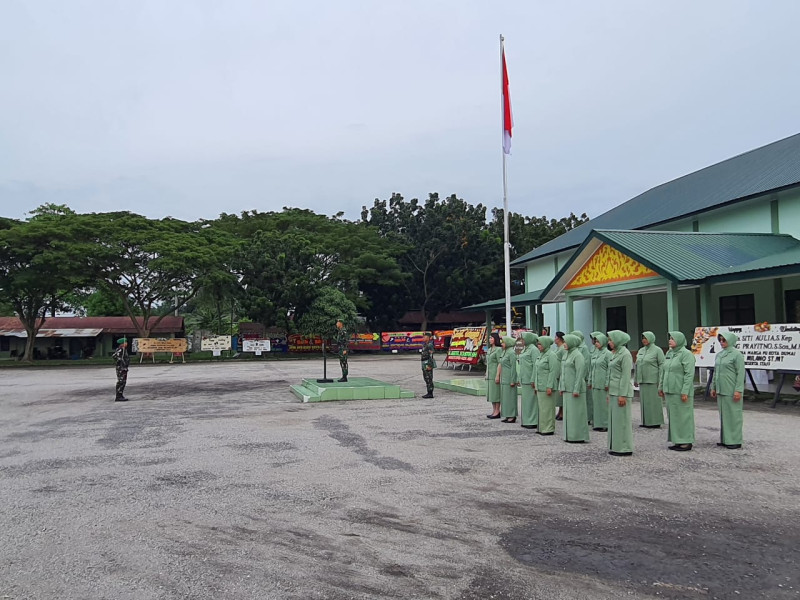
506	243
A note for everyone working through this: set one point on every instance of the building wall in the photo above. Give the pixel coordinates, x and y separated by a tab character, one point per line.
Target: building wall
789	213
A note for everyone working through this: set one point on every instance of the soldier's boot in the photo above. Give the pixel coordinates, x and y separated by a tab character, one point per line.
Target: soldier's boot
343	379
120	398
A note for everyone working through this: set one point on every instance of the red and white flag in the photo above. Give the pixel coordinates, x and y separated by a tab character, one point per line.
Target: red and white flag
507	122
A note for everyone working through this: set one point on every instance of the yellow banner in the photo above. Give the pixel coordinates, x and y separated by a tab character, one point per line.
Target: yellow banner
155	345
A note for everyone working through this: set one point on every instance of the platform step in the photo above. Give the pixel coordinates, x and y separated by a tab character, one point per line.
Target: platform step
304	393
355	388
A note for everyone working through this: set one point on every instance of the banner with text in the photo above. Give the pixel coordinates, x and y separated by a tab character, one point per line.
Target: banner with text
149	345
305	343
465	345
765	346
365	341
401	341
215	342
257	346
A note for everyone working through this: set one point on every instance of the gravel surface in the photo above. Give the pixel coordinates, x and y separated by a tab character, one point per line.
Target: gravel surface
215	482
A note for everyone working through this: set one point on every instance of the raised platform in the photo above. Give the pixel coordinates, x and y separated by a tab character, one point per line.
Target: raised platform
355	388
474	386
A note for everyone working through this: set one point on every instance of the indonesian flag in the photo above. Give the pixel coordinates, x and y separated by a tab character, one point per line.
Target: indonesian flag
507	122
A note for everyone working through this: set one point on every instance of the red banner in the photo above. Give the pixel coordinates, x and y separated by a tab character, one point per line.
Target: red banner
466	345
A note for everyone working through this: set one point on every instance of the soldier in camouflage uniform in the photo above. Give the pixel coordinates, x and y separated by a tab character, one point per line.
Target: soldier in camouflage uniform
342	339
122	361
428	363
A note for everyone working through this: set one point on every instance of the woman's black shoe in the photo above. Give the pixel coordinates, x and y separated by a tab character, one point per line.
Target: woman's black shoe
529	426
681	447
600	429
509	420
493	416
733	446
575	441
612	453
546	433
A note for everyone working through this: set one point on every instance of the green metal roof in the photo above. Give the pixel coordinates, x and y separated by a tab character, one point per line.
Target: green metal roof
772	167
694	257
519	300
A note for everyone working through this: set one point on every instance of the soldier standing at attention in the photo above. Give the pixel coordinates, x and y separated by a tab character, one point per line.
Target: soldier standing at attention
122	361
342	339
427	363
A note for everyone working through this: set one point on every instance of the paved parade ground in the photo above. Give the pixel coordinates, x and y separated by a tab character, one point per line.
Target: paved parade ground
215	482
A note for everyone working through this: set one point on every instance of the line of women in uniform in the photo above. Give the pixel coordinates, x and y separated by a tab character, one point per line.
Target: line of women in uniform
594	386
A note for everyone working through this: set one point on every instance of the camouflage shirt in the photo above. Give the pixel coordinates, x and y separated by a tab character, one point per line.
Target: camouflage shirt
342	338
427	354
121	358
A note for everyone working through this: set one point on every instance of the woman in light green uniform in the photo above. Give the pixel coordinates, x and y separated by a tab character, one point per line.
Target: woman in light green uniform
587	357
547	369
507	378
677	385
493	388
649	364
727	387
561	354
573	390
598	379
527	379
620	395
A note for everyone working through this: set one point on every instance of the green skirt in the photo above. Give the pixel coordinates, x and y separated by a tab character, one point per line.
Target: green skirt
547	411
620	428
731	419
576	423
681	419
651	406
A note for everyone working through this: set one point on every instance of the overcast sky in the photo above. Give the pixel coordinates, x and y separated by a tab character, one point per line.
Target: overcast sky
191	108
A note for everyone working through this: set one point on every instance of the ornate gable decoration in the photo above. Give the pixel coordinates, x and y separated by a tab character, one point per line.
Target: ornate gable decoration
608	265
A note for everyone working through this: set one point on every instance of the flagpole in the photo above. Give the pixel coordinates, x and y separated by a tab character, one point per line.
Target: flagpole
506	244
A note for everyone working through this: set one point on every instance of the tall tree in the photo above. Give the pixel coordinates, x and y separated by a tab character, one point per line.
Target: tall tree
154	266
40	263
287	255
447	252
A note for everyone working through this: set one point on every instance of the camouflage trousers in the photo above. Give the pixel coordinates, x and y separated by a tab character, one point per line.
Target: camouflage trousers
343	364
122	379
427	375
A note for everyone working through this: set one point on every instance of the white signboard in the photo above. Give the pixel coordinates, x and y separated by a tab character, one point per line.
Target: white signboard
257	346
765	346
216	342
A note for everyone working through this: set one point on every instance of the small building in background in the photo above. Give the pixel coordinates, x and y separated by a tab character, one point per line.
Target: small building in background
78	337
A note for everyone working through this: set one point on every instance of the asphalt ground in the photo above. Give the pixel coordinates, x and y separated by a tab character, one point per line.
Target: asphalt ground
213	481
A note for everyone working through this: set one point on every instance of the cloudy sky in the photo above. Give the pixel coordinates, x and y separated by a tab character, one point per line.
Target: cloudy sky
191	108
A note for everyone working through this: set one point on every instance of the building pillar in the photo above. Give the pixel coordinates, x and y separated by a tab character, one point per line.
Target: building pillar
597	314
570	314
705	305
780	305
672	306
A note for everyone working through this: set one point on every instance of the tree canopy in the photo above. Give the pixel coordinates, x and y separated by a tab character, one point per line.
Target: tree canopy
287	269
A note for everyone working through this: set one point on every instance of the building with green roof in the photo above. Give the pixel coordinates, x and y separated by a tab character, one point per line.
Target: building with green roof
716	247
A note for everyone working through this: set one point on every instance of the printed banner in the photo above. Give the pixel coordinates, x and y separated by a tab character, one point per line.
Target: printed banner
215	342
465	345
365	341
765	346
441	339
304	343
149	345
401	341
257	346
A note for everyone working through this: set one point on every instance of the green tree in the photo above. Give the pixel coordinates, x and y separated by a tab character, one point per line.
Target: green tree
447	254
154	266
40	264
329	305
287	255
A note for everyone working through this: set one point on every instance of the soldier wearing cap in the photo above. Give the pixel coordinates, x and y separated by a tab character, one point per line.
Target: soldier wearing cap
342	339
122	361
